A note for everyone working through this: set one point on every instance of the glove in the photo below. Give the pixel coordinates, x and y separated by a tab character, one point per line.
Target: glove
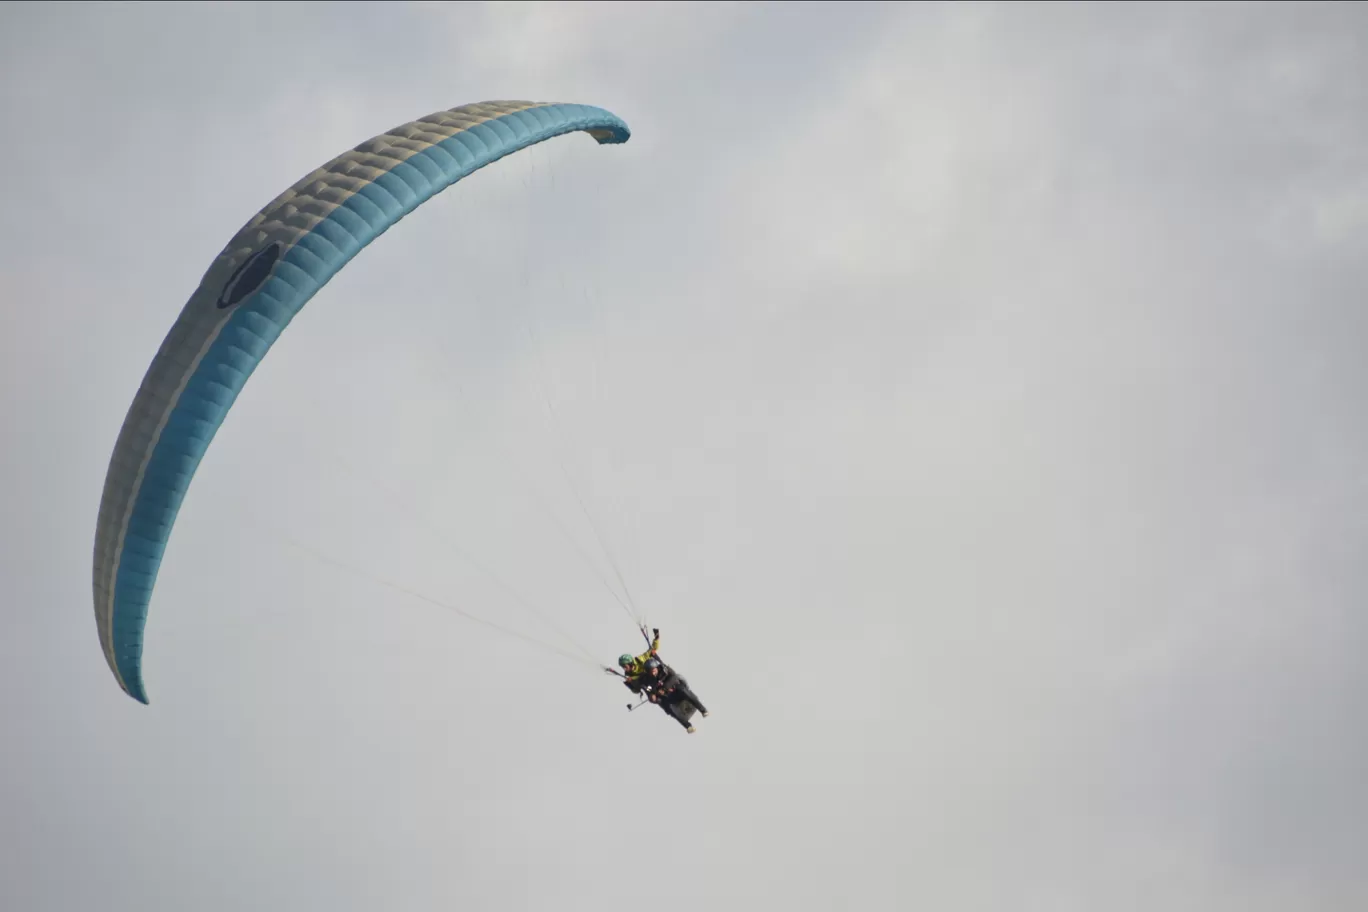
656	631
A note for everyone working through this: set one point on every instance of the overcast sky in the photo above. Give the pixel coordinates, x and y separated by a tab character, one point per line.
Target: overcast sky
974	395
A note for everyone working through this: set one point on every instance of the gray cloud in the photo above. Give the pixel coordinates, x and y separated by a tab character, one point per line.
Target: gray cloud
971	393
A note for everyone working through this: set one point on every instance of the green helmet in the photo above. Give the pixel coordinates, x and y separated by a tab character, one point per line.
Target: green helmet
625	659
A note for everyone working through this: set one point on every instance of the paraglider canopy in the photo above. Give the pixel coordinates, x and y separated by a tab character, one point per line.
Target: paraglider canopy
251	291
